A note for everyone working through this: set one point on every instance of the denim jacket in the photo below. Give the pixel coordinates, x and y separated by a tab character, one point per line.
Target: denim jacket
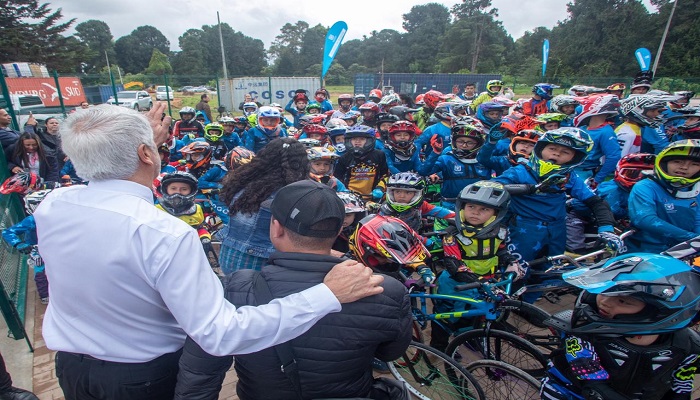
250	233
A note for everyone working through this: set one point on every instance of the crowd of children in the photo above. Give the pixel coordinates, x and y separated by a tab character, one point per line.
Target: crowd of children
578	156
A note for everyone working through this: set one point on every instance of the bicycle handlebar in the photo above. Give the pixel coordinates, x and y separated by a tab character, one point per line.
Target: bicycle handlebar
488	286
574	261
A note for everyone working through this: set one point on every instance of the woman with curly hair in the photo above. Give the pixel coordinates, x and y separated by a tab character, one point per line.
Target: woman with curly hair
249	191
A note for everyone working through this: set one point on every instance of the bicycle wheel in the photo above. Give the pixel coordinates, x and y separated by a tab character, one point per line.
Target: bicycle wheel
497	345
527	321
431	374
502	381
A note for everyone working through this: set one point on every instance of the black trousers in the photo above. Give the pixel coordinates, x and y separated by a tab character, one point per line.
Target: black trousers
84	377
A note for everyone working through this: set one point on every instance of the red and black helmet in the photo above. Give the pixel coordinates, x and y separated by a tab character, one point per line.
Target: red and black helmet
432	98
387	244
22	182
238	156
630	169
197	154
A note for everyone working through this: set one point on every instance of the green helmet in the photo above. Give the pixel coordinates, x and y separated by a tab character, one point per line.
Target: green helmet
213	132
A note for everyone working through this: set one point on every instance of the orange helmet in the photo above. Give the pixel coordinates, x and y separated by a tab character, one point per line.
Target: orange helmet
197	154
432	98
387	244
238	156
375	95
419	99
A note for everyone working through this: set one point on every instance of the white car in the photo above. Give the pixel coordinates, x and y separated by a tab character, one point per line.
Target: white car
162	94
136	99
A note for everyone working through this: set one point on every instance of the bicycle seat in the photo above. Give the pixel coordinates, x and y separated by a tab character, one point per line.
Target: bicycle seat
560	321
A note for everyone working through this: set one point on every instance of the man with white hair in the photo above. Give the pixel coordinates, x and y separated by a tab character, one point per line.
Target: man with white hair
130	282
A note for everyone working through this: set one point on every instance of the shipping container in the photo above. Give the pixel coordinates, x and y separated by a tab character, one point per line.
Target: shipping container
413	84
100	93
264	90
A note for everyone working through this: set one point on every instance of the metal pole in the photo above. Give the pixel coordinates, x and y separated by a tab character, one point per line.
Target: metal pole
111	78
221	40
663	37
58	90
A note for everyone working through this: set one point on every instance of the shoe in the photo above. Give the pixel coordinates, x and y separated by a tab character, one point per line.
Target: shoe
44	300
379	365
14	393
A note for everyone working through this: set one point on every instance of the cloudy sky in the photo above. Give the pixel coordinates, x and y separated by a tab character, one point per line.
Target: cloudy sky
263	19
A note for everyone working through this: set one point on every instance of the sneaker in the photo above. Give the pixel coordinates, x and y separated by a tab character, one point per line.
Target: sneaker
44	300
13	393
379	365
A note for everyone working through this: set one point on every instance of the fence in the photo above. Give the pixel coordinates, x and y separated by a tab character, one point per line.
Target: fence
13	270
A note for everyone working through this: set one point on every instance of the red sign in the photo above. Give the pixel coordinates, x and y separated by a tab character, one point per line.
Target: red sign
71	89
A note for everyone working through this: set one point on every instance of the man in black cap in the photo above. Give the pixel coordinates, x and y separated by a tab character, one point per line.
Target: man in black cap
333	359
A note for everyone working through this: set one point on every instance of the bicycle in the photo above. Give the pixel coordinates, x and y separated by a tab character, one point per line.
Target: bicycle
482	343
431	374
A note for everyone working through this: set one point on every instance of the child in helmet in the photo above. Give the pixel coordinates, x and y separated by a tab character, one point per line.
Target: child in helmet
368	114
354	212
321	96
430	100
268	128
197	158
360	99
664	209
628	335
213	134
22	236
539	103
538	219
344	106
351	117
388	245
297	106
404	200
188	124
177	193
631	169
164	152
475	248
315	132
459	166
401	152
689	126
595	118
519	150
490	113
321	164
443	129
550	121
362	167
250	111
336	134
640	131
313	108
384	122
564	104
493	88
231	137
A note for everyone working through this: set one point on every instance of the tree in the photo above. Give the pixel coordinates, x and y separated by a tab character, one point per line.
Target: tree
31	33
679	56
97	38
311	51
159	64
134	50
426	26
289	41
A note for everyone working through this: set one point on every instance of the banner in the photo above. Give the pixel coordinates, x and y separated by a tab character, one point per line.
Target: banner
334	39
643	57
71	90
545	55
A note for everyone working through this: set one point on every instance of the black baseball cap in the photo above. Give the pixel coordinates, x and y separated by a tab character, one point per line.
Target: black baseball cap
300	205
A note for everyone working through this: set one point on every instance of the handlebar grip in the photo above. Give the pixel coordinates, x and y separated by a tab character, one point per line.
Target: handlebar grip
468	286
519	189
538	261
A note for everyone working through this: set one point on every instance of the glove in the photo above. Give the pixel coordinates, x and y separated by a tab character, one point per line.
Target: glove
552	184
612	242
427	275
436	143
372	207
517	269
206	245
591	183
496	134
377	194
24	248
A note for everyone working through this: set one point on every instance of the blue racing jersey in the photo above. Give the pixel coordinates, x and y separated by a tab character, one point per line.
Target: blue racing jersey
605	152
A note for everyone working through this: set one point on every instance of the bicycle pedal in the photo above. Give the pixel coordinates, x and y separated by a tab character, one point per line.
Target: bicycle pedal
552	297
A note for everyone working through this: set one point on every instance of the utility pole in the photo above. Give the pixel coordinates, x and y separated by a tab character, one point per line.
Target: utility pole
663	37
229	88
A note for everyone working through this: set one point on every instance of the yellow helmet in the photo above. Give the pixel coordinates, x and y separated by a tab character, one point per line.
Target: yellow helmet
684	149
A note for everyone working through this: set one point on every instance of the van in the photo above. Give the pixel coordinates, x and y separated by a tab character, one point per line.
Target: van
24	105
162	94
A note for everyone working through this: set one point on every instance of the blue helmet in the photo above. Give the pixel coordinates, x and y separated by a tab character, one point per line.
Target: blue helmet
573	138
544	90
360	131
669	288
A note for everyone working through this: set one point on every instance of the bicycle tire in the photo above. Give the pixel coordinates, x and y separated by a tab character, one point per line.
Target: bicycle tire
501	381
498	345
526	320
431	374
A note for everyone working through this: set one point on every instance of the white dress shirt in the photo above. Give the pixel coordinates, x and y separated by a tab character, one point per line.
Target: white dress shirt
129	282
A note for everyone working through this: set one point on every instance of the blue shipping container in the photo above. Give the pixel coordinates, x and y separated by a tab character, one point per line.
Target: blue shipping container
100	94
